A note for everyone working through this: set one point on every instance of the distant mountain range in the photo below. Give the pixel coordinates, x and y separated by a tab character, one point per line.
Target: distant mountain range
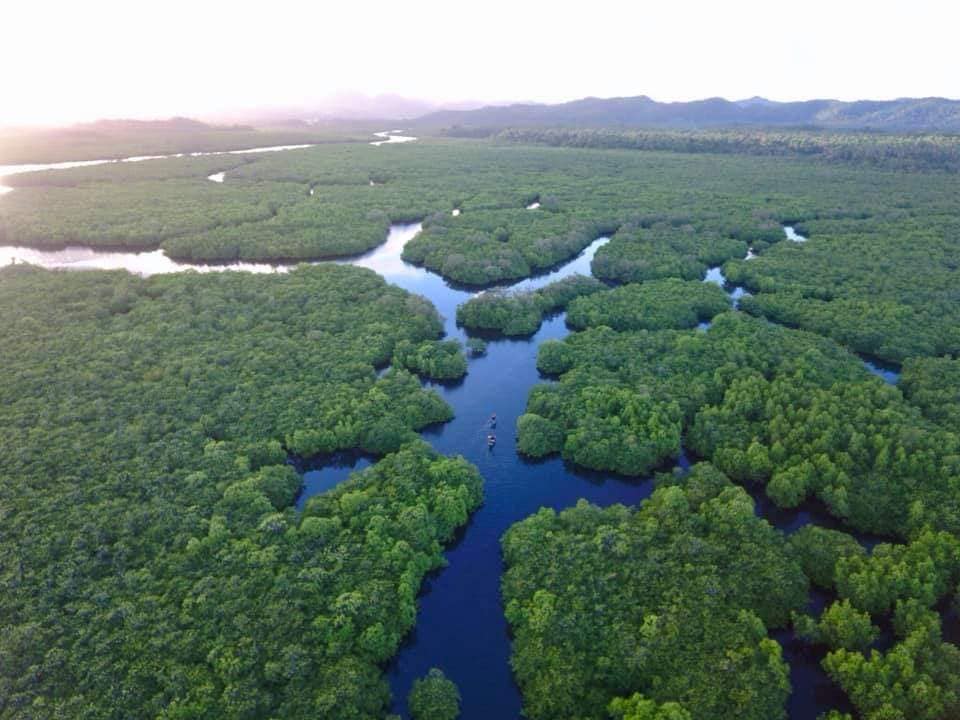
902	115
343	106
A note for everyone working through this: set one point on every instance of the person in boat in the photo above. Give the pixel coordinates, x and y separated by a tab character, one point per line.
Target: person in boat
493	420
491	439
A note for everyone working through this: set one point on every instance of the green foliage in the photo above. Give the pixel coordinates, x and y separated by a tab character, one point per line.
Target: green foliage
440	360
605	428
918	679
933	385
903	152
514	313
672	601
818	549
923	570
132	138
624	398
637	707
149	419
655	305
884	285
840	626
767	405
673	215
667	250
870	456
434	697
537	436
477	347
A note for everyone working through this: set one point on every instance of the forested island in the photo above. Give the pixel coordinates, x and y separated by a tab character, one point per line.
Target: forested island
158	430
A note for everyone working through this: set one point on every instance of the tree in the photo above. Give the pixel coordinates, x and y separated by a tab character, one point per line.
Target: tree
434	697
637	707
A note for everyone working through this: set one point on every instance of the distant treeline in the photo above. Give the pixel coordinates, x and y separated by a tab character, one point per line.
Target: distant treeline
128	138
901	152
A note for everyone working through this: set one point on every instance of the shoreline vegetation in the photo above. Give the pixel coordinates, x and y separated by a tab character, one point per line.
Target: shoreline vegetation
117	139
159	422
174	402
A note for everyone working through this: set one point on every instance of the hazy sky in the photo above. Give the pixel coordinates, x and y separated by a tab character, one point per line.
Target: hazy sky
72	60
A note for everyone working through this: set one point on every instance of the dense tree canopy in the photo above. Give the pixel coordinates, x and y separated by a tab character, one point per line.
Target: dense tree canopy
654	305
152	559
667	250
933	385
434	697
153	419
673	214
765	404
672	600
905	152
437	359
520	313
886	285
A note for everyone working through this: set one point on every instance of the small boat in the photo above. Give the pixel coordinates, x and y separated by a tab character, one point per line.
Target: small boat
491	440
493	420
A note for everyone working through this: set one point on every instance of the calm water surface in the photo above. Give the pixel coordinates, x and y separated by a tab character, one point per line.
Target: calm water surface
8	170
389	137
460	624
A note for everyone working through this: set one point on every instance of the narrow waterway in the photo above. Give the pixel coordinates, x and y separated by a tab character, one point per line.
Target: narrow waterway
389	137
8	170
460	624
888	373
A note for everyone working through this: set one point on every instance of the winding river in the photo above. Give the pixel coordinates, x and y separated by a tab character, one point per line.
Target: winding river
8	170
460	623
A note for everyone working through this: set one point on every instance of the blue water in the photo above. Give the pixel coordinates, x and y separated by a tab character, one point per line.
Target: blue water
889	374
460	624
324	473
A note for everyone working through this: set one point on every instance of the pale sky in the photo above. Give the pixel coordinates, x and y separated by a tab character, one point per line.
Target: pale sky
67	60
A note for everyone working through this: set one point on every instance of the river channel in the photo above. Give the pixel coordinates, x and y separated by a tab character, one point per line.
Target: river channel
460	623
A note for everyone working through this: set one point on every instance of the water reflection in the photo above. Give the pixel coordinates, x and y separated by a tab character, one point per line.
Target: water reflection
325	473
793	235
146	263
736	293
889	374
390	137
580	265
8	170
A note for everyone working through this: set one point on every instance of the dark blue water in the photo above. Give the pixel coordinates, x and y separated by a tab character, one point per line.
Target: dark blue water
323	473
460	624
